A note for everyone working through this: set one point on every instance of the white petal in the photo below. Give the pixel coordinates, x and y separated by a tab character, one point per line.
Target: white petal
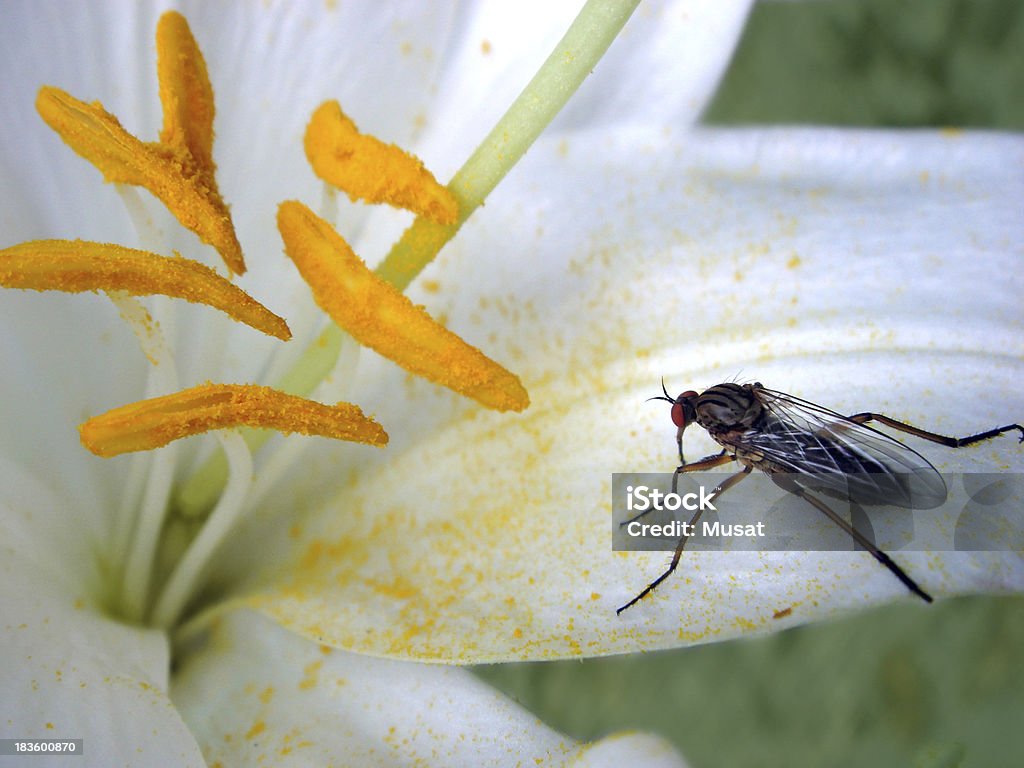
864	271
96	52
661	70
64	350
67	672
257	694
630	749
664	68
503	47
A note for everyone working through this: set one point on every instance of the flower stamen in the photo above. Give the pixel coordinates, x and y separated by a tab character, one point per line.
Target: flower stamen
178	169
368	169
380	317
230	507
75	266
152	423
185	91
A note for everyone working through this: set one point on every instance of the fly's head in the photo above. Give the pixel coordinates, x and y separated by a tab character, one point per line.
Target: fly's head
683	411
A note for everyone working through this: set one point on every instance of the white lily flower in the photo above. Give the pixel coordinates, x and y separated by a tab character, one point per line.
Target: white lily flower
852	268
92	649
863	270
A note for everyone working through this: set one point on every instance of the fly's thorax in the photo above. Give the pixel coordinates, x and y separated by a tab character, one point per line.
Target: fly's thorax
727	407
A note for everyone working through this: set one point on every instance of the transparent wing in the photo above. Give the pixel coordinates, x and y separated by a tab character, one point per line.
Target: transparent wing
828	452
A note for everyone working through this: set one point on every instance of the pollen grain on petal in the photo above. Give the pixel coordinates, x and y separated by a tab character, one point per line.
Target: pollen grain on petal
382	318
75	266
169	171
153	423
368	169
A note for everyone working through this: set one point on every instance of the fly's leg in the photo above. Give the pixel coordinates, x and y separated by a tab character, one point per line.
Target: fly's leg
790	486
706	463
679	433
721	488
952	442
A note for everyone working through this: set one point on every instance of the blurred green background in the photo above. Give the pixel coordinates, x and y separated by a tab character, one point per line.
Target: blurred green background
897	63
905	685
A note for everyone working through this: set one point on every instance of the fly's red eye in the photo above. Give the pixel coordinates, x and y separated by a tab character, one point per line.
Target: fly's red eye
678	416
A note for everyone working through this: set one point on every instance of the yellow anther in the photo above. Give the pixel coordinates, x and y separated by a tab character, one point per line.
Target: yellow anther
178	169
185	91
74	266
380	317
368	169
150	424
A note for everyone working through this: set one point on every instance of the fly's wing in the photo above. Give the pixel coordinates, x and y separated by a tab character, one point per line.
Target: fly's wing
828	452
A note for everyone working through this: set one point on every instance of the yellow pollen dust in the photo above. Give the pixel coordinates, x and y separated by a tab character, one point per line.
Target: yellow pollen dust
368	169
380	317
178	169
153	423
74	266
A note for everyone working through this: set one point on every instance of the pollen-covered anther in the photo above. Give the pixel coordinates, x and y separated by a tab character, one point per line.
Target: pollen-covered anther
367	169
185	91
74	266
179	169
153	423
380	317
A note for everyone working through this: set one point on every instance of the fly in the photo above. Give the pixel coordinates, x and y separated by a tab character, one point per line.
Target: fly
804	447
